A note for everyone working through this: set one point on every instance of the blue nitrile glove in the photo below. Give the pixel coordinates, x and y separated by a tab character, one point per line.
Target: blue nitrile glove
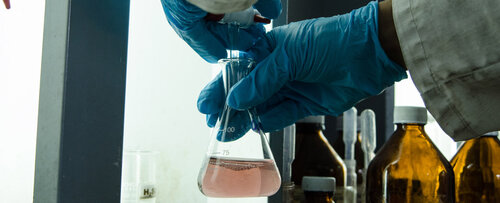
234	124
211	39
321	66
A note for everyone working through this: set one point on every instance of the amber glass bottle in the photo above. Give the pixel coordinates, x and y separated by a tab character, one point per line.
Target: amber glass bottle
409	167
477	170
314	156
318	189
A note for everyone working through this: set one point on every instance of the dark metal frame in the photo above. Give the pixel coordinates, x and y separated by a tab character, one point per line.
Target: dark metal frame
82	100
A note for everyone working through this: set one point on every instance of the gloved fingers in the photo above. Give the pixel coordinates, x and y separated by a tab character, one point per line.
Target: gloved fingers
212	97
187	21
262	48
283	114
268	8
242	40
182	14
212	119
211	39
264	81
203	42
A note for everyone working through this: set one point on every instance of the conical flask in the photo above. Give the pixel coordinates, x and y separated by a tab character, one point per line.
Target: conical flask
477	170
239	161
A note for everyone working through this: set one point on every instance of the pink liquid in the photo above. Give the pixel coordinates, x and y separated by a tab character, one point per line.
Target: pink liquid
240	178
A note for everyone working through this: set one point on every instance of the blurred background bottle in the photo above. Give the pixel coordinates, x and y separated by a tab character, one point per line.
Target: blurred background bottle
318	189
409	167
316	157
477	170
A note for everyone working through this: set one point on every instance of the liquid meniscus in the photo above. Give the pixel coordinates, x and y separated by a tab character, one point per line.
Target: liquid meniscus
227	177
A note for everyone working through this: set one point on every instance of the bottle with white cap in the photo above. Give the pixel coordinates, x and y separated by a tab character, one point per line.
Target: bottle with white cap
314	156
477	170
409	167
318	189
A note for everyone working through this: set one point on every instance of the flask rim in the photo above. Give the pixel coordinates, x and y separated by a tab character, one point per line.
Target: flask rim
226	60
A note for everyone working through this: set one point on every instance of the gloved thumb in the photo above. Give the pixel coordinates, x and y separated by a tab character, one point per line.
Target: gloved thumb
269	8
283	114
211	98
264	81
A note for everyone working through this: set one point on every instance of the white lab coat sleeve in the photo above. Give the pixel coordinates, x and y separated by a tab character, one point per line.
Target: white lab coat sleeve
223	6
452	51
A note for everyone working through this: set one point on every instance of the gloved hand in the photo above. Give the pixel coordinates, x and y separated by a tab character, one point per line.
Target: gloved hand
233	123
321	66
211	39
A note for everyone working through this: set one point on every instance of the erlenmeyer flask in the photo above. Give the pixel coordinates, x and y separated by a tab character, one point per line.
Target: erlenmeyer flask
239	161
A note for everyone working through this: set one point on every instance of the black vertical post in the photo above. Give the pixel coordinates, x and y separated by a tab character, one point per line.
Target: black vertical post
82	97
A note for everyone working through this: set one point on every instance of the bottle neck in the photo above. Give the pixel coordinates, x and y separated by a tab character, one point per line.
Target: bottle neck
308	127
410	126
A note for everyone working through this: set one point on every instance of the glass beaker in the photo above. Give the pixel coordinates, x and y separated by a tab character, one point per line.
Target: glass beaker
139	176
239	161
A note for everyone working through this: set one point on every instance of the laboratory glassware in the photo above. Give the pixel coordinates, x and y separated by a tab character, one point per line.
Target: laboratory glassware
477	170
287	184
368	132
239	161
409	167
339	146
139	176
318	189
350	137
316	157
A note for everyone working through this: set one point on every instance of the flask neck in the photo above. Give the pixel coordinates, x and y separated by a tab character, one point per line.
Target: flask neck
235	69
